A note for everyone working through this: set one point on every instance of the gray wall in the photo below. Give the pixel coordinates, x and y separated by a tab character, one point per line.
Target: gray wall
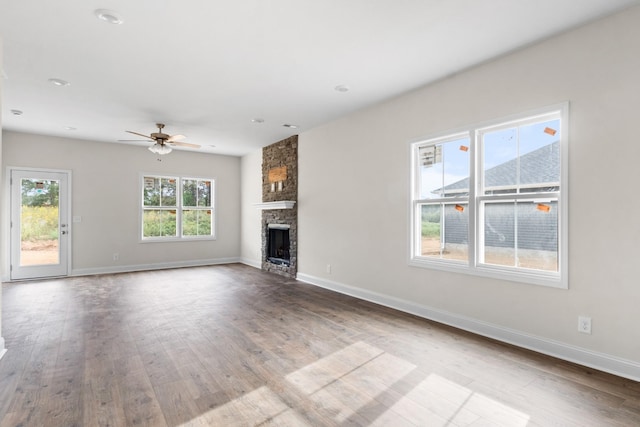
354	197
3	253
105	193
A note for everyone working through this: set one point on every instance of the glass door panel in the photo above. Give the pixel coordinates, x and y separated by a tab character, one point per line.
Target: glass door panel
39	225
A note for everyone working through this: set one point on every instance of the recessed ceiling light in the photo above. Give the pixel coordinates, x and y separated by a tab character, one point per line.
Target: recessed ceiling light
108	16
341	88
70	128
290	126
257	120
16	112
59	82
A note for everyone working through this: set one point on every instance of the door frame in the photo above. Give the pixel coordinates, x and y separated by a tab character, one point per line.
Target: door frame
67	205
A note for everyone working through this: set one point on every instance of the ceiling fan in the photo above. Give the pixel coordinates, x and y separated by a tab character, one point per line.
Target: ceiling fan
163	141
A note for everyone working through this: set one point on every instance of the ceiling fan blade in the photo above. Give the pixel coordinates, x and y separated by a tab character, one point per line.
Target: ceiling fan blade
176	138
183	144
132	140
139	134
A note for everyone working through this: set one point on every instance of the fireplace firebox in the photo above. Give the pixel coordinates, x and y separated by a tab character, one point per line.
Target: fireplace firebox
278	244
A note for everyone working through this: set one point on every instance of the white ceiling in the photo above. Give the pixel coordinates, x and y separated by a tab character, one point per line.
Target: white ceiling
206	68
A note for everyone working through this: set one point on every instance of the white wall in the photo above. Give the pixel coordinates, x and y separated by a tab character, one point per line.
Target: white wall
105	193
354	198
2	249
251	216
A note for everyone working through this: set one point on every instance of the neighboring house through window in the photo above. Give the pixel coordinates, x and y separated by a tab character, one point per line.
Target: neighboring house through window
177	208
491	199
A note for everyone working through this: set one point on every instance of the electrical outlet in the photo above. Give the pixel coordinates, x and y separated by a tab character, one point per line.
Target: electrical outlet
116	256
329	268
584	324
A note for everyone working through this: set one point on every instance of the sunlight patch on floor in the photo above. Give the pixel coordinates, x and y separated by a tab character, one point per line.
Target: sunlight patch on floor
455	405
323	372
363	384
358	380
257	407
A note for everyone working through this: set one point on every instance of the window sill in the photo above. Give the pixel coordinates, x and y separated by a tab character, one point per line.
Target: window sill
176	239
531	277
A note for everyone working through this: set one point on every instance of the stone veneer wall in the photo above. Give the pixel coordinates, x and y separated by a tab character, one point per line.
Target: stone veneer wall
282	153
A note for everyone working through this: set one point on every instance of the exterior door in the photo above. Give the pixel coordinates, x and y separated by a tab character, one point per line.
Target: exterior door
39	224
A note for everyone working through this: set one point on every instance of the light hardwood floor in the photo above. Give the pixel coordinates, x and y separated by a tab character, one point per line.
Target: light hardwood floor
233	346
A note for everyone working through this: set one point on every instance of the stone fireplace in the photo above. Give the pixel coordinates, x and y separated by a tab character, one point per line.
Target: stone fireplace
279	209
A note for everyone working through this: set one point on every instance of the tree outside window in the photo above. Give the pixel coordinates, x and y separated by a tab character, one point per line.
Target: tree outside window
177	208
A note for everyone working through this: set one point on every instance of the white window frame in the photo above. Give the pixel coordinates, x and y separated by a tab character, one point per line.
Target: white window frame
557	279
179	237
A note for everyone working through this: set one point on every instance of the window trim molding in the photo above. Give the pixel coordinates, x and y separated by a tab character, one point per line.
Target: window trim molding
179	207
558	279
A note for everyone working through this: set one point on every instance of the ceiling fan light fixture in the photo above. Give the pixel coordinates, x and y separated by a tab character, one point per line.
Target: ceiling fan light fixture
160	149
108	16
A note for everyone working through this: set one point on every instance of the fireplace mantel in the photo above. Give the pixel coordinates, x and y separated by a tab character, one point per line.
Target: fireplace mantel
281	204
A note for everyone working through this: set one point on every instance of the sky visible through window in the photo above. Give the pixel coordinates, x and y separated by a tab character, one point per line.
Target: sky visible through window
500	146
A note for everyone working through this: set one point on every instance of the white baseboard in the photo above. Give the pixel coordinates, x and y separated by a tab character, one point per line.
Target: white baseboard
146	267
251	262
600	361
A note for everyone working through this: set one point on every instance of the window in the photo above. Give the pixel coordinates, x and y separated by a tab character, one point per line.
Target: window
490	200
177	208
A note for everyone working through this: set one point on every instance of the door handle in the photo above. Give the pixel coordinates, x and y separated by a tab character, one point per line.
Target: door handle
63	232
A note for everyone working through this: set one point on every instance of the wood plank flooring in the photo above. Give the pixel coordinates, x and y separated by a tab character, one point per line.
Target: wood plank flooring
233	346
